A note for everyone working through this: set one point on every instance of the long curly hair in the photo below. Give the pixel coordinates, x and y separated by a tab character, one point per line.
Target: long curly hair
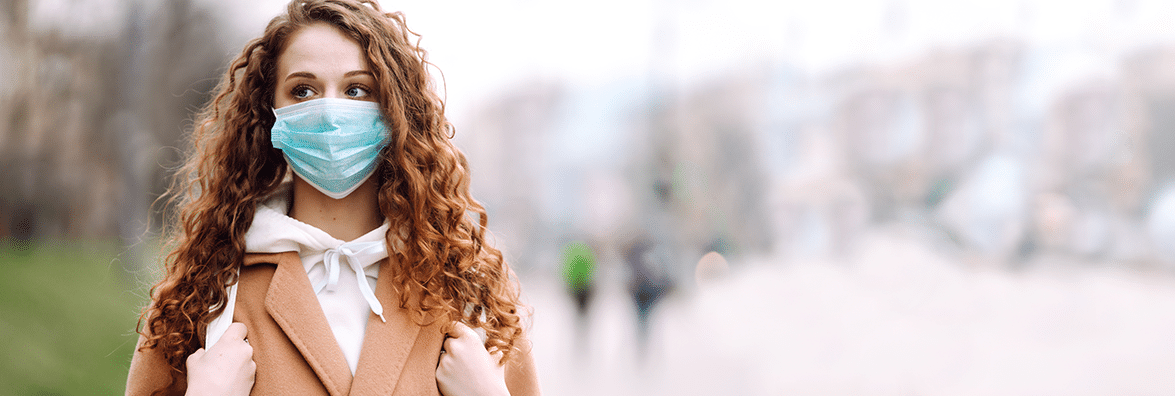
448	270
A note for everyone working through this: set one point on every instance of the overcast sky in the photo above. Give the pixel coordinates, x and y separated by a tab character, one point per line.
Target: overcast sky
483	46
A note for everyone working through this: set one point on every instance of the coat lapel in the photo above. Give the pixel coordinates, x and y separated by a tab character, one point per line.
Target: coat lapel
386	346
291	302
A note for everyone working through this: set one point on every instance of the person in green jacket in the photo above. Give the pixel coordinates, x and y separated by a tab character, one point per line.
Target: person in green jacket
579	270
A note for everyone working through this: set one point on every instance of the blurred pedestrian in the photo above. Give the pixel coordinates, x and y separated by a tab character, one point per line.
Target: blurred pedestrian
323	237
579	272
649	282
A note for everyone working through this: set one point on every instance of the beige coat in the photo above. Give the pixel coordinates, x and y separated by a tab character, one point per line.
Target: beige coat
296	353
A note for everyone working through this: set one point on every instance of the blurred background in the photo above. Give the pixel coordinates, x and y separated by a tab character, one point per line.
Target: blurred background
882	197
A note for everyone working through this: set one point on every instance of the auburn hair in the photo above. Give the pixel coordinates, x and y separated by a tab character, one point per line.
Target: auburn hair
448	271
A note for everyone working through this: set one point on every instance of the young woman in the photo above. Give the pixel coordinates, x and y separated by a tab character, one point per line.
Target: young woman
326	241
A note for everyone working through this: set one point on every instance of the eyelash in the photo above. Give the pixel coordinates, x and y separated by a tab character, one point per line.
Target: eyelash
360	86
302	88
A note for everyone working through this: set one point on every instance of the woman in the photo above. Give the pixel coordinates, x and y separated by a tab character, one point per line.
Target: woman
324	243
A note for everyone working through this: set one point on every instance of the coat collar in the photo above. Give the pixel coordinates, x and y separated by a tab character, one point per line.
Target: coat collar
291	302
386	345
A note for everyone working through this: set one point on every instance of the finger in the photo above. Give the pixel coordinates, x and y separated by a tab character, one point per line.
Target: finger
235	332
459	330
248	348
195	356
449	345
462	339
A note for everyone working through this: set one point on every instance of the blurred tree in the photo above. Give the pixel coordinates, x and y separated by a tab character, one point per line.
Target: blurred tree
85	115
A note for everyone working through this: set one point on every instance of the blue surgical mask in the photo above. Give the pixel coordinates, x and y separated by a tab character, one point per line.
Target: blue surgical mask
331	143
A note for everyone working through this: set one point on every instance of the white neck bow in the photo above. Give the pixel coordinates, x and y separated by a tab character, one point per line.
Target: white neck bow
361	257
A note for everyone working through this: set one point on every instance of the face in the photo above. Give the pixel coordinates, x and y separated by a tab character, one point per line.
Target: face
321	62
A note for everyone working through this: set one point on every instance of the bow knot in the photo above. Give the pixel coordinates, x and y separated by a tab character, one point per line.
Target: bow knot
358	256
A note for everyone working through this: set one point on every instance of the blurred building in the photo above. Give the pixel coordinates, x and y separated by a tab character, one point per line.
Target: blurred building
979	146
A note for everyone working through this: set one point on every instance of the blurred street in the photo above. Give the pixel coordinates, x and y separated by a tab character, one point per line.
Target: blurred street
894	318
898	197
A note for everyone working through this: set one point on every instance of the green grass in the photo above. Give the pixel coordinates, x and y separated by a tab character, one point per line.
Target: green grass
67	317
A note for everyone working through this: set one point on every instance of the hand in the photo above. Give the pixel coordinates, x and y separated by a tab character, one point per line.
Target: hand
466	368
225	369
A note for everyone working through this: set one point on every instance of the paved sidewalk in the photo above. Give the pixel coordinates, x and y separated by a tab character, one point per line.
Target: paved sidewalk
895	319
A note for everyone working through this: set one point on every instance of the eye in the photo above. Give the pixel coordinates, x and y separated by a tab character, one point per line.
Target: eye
301	92
356	91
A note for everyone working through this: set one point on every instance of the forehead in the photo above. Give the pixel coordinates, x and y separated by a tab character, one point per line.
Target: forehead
320	48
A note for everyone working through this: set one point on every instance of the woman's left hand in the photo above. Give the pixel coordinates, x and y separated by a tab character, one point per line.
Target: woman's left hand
466	368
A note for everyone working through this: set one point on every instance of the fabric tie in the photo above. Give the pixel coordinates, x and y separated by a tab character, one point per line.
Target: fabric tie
359	256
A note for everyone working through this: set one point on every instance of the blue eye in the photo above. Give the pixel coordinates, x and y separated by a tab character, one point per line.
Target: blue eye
301	92
356	92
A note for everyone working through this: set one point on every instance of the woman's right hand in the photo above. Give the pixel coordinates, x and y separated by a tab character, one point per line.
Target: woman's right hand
225	369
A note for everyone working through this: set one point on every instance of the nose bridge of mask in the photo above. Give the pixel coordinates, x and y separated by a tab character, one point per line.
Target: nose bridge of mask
326	114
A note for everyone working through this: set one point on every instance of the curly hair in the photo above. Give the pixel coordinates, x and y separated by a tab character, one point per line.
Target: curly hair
448	271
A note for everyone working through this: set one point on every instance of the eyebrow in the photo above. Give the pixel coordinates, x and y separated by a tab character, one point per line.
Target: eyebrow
311	76
308	75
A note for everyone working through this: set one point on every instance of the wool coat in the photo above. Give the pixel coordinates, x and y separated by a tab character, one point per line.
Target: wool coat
296	353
